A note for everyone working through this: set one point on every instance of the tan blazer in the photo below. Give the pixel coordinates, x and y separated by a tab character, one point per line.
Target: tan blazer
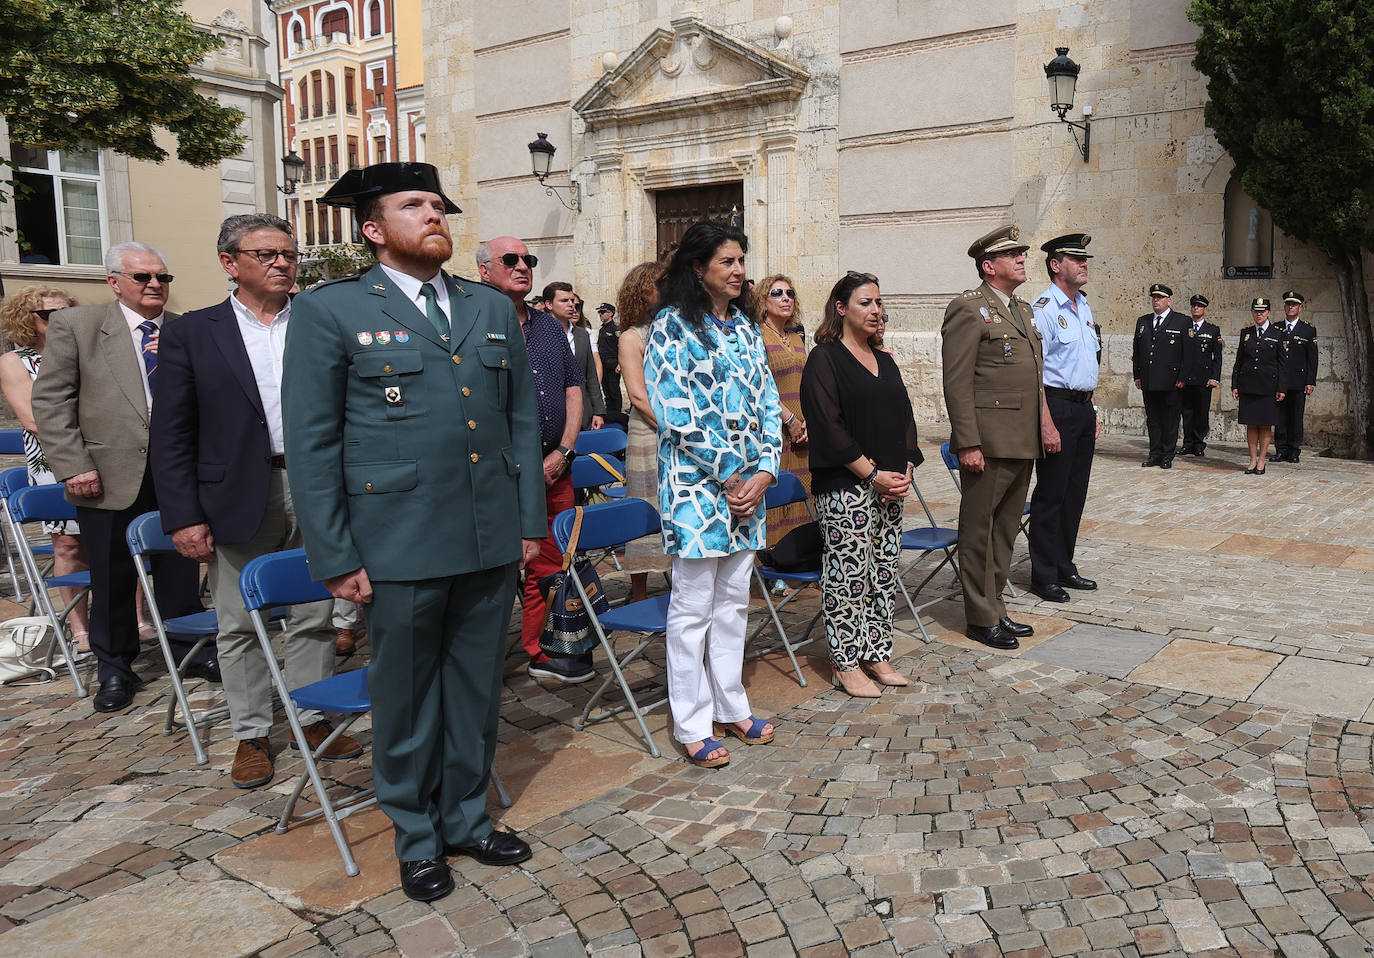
993	375
89	404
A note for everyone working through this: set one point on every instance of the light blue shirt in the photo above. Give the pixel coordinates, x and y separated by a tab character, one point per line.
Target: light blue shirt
1070	339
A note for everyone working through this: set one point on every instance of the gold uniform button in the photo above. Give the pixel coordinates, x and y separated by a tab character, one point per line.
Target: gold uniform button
367	486
474	457
503	362
997	402
457	360
466	392
386	369
472	423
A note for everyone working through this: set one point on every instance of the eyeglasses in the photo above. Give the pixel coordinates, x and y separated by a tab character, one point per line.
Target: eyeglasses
145	278
269	256
780	292
863	277
44	314
508	260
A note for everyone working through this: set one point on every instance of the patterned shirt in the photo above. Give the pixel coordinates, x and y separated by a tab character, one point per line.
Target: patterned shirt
554	369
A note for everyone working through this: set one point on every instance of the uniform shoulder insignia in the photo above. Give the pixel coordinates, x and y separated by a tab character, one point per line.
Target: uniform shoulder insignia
1041	301
334	282
969	293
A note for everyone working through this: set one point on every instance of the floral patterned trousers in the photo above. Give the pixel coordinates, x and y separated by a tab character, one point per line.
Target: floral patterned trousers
862	536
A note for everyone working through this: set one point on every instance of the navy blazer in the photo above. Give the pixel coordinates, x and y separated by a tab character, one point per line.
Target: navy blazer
210	449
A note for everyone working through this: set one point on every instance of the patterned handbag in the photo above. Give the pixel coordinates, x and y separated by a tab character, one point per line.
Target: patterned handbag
568	629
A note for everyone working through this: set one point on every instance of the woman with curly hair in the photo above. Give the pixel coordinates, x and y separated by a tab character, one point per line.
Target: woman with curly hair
636	304
24	322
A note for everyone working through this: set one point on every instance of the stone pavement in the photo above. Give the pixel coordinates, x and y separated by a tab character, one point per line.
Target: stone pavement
1178	763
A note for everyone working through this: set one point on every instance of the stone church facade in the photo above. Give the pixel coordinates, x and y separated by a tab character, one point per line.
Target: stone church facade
879	135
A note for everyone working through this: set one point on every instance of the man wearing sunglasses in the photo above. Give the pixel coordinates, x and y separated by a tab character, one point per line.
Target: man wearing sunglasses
92	403
218	461
505	263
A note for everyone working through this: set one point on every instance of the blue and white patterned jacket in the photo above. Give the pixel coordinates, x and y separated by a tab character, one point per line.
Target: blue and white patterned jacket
718	415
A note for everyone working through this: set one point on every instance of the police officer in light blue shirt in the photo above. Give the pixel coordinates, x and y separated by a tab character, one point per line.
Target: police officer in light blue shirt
1072	351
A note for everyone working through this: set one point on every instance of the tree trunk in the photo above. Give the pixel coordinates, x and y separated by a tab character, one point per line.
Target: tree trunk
1359	342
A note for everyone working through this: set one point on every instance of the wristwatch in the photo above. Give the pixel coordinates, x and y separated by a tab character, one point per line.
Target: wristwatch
566	453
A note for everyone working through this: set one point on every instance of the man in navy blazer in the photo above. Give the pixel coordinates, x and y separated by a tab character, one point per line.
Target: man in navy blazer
218	462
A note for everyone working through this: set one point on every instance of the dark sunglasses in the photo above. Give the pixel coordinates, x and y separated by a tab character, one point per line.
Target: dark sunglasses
146	277
267	257
863	277
44	314
508	260
780	292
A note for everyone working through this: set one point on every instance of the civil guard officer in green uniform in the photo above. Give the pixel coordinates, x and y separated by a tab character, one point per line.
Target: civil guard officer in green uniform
412	440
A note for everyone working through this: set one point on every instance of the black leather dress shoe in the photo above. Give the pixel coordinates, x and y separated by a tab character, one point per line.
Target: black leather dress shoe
1200	453
116	693
1018	629
209	671
993	636
1078	582
1166	464
1050	593
426	879
498	848
1152	461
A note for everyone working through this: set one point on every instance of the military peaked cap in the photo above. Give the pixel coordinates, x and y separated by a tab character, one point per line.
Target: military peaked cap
1004	239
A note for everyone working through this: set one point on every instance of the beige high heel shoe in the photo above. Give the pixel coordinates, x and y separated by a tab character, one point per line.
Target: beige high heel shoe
884	673
856	682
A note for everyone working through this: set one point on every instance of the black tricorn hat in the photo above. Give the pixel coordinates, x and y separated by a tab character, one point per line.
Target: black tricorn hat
382	178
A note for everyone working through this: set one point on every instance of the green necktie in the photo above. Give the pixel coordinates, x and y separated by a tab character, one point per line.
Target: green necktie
432	311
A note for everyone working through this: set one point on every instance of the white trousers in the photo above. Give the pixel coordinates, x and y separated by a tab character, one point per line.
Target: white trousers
707	616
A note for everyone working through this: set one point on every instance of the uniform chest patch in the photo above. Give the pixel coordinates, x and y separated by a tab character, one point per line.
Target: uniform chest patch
1063	323
364	339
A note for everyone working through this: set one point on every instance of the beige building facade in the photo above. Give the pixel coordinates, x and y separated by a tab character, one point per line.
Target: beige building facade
882	135
85	203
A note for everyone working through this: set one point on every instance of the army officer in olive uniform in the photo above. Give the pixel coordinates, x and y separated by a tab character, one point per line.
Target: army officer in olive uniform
413	439
999	426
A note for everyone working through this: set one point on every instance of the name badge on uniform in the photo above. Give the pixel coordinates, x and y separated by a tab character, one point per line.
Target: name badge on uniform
496	337
393	396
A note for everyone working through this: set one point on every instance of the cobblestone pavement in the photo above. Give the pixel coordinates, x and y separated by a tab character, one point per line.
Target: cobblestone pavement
1140	779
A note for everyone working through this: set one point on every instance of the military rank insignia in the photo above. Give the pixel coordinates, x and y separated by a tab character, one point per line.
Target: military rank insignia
1041	301
364	339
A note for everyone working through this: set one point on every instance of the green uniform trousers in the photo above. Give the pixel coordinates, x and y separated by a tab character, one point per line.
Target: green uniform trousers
989	516
438	646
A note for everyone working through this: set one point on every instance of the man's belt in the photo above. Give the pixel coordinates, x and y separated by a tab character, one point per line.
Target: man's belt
1072	395
277	462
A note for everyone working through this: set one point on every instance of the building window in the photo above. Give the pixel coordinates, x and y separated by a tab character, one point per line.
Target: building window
337	217
297	29
1247	236
331	99
316	94
353	153
376	81
309	223
60	210
323	212
350	91
379	149
335	22
373	18
303	104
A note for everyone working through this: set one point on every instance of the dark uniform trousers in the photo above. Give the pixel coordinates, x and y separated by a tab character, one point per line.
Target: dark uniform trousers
1061	489
438	646
1197	405
1162	408
1288	432
989	518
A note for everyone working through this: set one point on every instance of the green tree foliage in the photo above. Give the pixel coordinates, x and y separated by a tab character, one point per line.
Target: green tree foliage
1291	98
77	73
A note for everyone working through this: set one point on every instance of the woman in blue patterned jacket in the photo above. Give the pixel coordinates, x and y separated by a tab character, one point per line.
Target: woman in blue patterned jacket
719	429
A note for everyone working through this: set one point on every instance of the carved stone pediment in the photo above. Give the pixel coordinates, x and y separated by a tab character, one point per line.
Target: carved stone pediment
688	69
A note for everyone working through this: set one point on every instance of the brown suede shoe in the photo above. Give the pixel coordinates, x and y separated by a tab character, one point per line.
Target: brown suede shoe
252	764
345	746
344	642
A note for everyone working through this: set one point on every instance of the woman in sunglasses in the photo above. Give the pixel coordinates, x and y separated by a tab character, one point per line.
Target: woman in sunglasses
862	452
718	448
24	322
778	313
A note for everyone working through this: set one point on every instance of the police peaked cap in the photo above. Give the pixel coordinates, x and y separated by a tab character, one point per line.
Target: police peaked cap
1070	244
382	178
1159	289
1200	300
1291	297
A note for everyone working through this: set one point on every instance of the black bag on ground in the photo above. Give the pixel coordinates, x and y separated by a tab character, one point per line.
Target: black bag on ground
798	551
567	627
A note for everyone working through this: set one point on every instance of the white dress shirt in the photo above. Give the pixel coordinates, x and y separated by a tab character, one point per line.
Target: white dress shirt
265	345
136	337
410	289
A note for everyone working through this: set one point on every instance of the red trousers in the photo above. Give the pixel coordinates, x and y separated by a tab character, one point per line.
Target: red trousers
557	497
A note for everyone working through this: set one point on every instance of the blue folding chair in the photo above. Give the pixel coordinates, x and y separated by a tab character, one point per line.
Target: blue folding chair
932	538
786	491
951	461
610	525
47	504
607	442
145	539
11	442
11	481
599	470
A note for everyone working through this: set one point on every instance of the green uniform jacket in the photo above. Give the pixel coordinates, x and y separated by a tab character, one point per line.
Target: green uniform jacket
408	456
993	375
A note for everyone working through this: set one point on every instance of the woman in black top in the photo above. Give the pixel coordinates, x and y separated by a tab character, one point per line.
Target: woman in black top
1255	384
862	448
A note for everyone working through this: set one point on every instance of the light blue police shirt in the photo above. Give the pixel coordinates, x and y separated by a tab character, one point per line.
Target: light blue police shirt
1070	340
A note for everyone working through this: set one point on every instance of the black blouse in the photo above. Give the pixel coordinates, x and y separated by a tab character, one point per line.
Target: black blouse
850	412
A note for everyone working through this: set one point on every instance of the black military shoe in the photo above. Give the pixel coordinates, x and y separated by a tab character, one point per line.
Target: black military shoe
1018	629
1076	581
993	636
426	879
1050	593
116	694
498	848
1166	464
1152	461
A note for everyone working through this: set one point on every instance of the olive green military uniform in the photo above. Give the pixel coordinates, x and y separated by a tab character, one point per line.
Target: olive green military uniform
992	373
418	460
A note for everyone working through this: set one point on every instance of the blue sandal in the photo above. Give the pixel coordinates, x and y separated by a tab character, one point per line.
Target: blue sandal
707	747
754	736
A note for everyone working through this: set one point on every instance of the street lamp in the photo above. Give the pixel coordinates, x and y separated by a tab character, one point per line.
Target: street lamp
1062	74
541	158
291	166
